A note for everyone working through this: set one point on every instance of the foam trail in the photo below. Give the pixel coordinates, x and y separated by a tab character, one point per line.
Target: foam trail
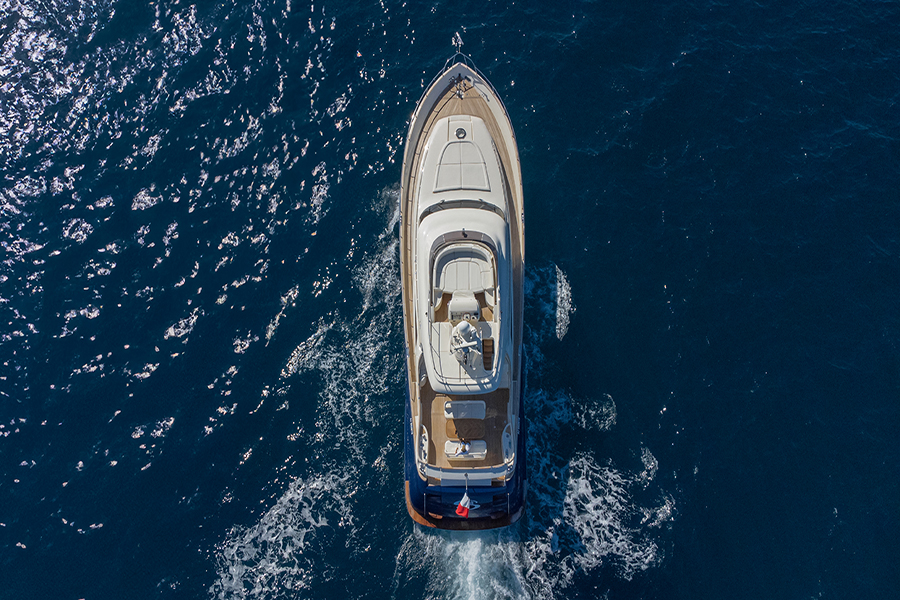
278	553
462	565
564	306
548	294
353	357
285	551
597	508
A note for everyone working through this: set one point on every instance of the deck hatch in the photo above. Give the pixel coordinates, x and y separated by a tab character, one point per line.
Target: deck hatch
461	168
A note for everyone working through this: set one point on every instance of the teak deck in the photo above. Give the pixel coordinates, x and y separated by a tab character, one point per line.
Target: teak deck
436	423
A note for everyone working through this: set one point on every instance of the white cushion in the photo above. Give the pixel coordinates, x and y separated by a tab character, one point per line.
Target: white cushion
464	409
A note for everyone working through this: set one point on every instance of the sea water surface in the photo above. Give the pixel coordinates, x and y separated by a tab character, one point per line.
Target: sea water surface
202	359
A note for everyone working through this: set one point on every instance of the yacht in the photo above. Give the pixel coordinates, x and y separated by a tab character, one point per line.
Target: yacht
462	269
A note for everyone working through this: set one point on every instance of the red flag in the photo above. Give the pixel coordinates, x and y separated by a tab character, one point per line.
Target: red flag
463	508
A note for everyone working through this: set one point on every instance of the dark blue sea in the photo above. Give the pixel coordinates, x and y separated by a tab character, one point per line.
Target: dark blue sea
202	358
